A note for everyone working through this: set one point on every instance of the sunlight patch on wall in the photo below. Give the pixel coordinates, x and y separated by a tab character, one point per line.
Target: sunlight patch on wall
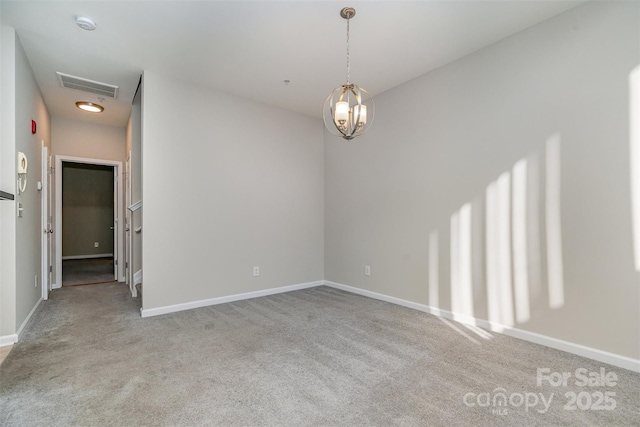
634	154
493	298
520	258
434	286
461	285
555	271
534	253
506	247
498	247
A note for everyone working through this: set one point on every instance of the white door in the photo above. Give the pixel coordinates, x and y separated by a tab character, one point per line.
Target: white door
128	249
50	252
115	227
46	223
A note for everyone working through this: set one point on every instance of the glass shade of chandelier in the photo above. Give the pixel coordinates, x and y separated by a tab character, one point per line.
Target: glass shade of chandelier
348	111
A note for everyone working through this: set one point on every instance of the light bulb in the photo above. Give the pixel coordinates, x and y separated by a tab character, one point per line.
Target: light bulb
360	114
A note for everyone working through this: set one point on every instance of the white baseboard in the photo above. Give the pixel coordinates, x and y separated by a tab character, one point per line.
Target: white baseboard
55	286
8	340
137	277
33	310
87	256
578	349
13	338
230	298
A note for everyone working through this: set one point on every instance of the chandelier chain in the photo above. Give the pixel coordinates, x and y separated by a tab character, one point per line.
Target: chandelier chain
348	111
348	64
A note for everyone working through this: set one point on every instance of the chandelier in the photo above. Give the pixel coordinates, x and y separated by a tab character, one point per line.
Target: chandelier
349	109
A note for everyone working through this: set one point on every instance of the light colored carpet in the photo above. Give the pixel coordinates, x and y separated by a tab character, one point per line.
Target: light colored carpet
4	352
312	357
87	271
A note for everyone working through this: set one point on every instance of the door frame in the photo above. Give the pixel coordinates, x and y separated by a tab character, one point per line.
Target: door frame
118	212
128	219
46	222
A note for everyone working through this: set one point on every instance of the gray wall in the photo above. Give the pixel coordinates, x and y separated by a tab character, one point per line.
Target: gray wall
87	209
517	159
136	147
228	184
20	280
29	106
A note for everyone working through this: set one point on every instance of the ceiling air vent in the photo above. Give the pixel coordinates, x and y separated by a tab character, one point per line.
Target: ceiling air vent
86	85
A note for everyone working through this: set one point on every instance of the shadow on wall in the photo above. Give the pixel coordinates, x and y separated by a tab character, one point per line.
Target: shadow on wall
498	253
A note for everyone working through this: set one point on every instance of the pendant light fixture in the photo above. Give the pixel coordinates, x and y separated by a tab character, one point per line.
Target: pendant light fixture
348	111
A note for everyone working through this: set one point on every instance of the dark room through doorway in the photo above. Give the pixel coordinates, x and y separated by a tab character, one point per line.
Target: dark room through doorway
87	224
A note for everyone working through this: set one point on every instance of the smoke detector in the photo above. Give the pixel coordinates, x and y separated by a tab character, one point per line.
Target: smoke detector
85	23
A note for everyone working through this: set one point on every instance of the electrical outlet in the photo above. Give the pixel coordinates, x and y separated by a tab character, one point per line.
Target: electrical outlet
35	282
367	270
96	244
256	271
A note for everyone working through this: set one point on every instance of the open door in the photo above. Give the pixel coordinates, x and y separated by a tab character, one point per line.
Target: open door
128	264
115	228
47	226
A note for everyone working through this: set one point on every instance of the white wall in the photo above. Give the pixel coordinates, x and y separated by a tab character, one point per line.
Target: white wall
493	124
7	183
228	184
80	139
21	247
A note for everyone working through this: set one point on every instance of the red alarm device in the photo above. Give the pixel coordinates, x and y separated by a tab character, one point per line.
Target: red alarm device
33	126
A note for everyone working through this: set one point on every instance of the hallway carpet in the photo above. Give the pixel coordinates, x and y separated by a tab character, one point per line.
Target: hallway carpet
313	357
87	271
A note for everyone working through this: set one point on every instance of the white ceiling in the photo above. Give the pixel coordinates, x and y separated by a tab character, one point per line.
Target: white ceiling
248	48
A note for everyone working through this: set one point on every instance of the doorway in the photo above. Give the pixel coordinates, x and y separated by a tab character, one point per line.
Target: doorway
87	224
88	207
